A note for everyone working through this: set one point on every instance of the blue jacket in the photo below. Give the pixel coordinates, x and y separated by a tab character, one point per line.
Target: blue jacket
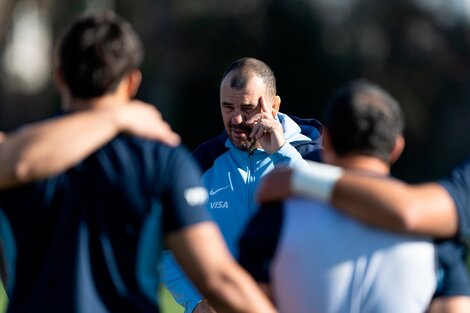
232	176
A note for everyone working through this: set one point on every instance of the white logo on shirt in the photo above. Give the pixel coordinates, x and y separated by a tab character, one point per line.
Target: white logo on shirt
219	205
213	192
195	196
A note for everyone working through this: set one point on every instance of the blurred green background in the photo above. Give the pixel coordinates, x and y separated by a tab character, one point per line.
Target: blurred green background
417	49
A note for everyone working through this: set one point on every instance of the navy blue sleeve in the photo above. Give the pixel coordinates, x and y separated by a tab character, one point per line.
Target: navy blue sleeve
458	186
453	278
207	152
259	242
185	199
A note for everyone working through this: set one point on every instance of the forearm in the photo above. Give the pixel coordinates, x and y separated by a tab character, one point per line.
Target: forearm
203	255
177	283
46	148
372	201
425	209
243	293
422	209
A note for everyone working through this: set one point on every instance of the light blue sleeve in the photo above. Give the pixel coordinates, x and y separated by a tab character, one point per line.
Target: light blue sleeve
287	155
177	283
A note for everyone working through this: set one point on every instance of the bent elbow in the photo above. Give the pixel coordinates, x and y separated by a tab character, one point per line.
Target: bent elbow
409	219
408	223
22	172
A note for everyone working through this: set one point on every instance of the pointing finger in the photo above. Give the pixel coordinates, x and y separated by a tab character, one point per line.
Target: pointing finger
263	105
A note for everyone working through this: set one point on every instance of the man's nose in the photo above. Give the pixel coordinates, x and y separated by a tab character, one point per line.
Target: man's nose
237	118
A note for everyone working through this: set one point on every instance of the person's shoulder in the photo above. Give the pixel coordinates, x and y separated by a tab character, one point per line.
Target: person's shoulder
312	129
459	177
463	169
309	127
137	143
208	145
144	153
207	152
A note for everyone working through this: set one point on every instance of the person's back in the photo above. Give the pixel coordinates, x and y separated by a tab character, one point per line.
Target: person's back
326	262
322	261
97	229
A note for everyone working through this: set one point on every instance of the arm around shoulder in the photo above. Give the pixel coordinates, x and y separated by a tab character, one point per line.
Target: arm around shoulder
425	209
47	148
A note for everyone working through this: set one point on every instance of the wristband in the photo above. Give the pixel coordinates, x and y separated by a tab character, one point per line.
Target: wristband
317	181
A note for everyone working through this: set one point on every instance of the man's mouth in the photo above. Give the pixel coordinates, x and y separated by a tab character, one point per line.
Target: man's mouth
240	131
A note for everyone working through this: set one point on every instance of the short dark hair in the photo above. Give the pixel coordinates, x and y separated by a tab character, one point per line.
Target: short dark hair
96	52
363	118
251	66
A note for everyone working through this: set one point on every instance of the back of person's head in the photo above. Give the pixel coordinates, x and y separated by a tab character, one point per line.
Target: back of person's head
364	119
245	68
96	52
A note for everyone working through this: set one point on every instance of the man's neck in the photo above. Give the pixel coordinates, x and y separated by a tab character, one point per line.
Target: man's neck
106	101
367	164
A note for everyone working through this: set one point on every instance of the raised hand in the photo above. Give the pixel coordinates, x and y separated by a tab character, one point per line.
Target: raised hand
266	129
144	120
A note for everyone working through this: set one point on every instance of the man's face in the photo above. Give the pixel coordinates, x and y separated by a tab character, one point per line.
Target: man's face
237	106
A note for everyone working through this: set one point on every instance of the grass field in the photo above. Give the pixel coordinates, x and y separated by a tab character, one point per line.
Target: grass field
167	302
3	299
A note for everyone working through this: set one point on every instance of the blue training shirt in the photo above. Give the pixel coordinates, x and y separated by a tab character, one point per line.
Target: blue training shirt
318	260
458	186
89	239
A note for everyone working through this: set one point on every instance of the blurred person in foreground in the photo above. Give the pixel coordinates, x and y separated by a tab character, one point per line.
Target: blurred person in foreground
46	148
89	239
256	139
436	209
315	259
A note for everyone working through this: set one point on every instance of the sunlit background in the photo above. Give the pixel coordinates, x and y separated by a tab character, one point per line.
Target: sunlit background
417	49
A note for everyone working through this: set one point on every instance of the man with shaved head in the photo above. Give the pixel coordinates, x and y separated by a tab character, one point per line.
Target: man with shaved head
257	138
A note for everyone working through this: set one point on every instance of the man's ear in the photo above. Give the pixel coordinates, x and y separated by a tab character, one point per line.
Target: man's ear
327	152
397	149
59	81
276	105
135	78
